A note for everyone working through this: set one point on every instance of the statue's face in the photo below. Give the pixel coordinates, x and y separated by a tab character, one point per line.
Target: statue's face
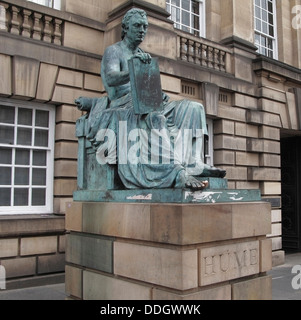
137	29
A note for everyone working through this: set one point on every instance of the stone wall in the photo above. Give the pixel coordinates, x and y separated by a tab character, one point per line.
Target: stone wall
36	70
32	250
168	252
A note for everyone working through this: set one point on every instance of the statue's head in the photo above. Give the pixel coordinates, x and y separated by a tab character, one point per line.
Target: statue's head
134	24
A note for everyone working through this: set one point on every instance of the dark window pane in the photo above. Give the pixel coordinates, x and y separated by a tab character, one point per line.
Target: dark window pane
270	7
21	197
196	33
5	197
24	137
39	177
25	117
271	18
185	18
195	7
42	118
38	197
186	4
5	176
5	156
196	22
271	31
22	157
41	138
7	135
270	44
21	176
270	54
7	114
39	158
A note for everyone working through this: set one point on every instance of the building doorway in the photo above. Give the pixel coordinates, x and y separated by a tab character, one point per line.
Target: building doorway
291	193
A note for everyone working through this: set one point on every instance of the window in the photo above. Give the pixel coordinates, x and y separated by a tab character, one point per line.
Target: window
265	27
26	162
55	4
188	15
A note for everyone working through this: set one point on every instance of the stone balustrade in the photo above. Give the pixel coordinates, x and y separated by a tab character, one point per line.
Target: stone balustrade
201	52
30	23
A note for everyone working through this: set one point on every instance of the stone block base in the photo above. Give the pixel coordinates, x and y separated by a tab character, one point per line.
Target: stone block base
32	249
138	251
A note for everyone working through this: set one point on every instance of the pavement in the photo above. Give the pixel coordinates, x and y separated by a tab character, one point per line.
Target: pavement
282	278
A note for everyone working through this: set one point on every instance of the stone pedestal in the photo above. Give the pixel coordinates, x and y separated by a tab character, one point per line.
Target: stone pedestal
150	251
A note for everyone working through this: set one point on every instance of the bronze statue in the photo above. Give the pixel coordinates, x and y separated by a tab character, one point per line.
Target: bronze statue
142	163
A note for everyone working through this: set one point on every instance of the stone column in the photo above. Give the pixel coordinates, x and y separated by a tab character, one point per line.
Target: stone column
237	20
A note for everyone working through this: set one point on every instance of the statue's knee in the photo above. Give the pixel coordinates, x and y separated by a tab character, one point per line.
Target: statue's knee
197	107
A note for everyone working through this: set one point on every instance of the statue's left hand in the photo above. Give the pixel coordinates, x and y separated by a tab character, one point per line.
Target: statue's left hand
144	57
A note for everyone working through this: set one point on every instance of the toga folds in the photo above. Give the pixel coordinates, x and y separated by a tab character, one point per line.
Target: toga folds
118	116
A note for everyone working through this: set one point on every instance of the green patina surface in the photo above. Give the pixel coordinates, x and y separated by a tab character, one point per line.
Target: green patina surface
132	81
168	196
217	192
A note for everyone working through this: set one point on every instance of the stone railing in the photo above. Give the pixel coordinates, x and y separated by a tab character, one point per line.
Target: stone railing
203	53
29	23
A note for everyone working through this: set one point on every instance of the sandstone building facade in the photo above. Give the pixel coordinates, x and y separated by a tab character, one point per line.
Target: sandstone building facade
240	58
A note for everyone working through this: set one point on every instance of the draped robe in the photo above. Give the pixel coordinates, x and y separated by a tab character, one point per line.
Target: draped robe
108	113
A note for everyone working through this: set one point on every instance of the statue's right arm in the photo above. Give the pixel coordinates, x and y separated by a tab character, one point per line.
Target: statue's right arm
112	64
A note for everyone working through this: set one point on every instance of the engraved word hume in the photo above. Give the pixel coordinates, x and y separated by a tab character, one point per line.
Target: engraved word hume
228	262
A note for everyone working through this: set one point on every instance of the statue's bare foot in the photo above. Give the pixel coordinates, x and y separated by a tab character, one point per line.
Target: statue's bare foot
186	181
194	184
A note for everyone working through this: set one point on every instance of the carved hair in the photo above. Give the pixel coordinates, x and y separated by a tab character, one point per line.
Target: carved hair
127	18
